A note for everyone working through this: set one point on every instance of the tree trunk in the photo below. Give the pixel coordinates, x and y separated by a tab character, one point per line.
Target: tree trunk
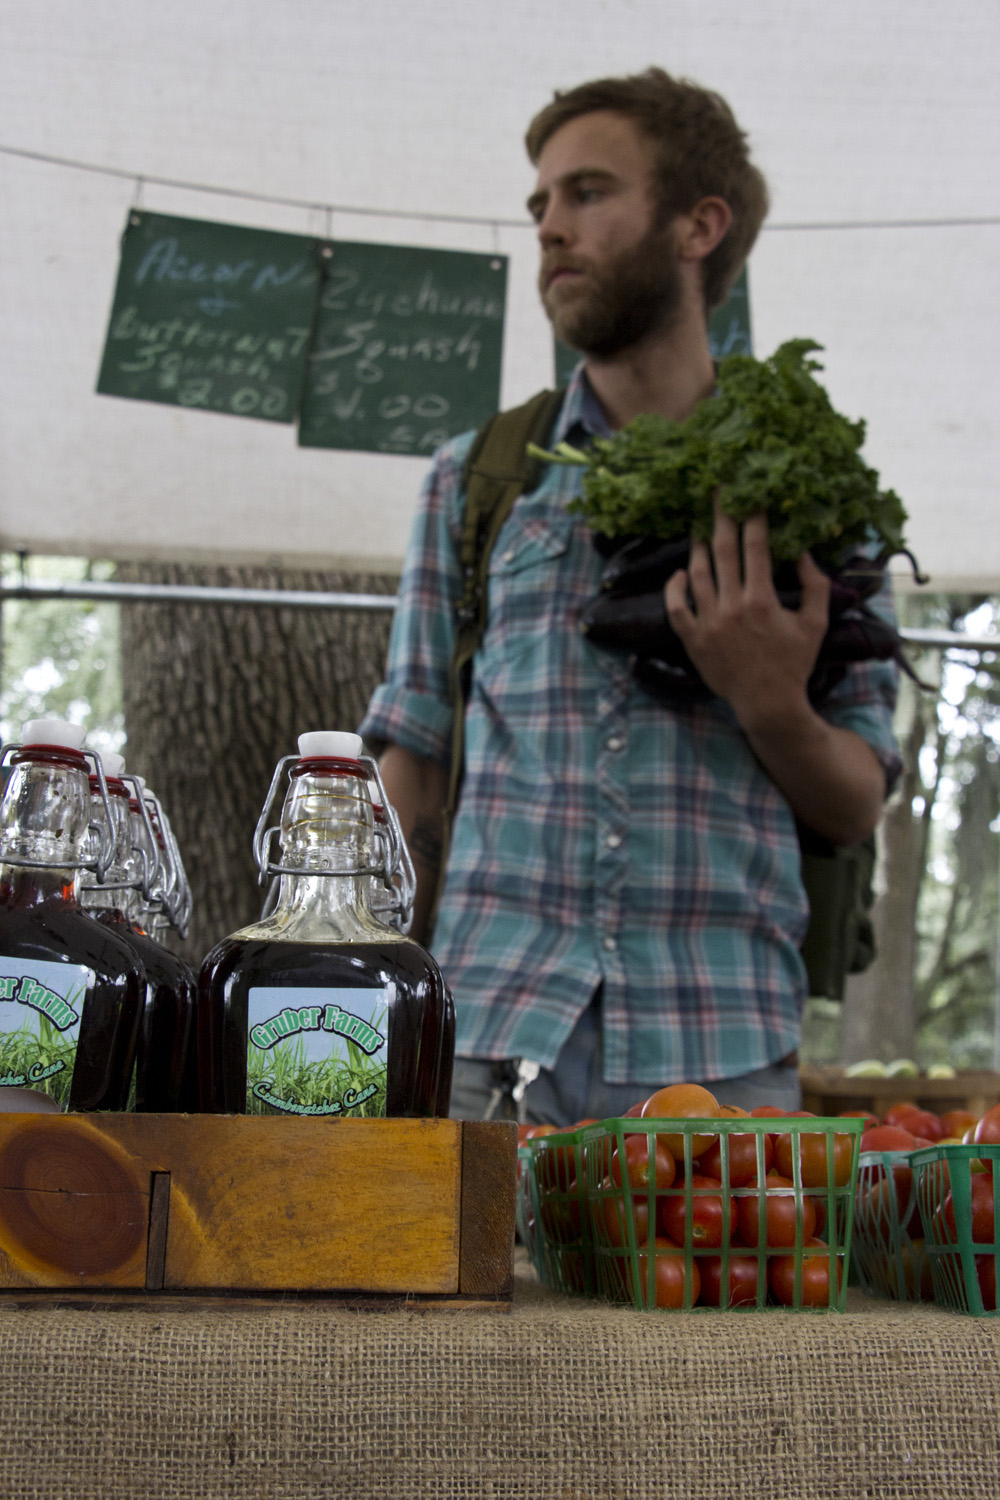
214	695
880	1009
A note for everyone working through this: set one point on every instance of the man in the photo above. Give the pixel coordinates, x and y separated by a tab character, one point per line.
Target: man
622	905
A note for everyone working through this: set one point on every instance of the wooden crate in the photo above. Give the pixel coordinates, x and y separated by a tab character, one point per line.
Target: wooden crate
230	1204
825	1091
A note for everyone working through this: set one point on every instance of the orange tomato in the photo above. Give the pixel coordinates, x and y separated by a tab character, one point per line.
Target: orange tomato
957	1121
814	1151
682	1101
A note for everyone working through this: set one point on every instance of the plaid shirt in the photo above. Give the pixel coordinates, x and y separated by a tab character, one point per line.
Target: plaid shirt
601	838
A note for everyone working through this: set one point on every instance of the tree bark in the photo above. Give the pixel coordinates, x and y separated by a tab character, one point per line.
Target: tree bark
214	695
880	1007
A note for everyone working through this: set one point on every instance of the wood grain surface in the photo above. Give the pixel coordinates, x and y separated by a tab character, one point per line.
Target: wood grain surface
261	1204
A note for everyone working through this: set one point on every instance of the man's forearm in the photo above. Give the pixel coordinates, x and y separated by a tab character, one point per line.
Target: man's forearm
831	777
418	790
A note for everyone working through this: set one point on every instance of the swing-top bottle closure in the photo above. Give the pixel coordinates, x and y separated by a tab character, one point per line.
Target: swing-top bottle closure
46	808
395	887
327	824
136	863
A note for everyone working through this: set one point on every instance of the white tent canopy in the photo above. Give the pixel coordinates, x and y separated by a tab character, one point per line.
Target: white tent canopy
874	120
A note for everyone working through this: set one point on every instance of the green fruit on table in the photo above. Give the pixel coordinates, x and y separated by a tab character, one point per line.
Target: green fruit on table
870	1067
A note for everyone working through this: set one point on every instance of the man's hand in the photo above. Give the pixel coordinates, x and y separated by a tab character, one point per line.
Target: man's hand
758	656
749	649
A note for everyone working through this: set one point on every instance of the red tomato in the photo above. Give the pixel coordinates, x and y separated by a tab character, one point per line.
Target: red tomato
859	1114
889	1202
670	1276
888	1138
815	1276
768	1112
987	1131
637	1163
986	1275
742	1281
555	1166
925	1123
742	1151
561	1219
682	1101
896	1113
780	1214
707	1211
982	1213
816	1153
613	1212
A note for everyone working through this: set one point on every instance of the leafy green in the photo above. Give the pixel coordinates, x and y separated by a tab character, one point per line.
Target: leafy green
769	439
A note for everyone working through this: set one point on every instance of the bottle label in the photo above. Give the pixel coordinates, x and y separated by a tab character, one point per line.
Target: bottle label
40	1008
317	1051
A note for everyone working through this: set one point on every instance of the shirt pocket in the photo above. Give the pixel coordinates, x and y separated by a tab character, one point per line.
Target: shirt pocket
529	588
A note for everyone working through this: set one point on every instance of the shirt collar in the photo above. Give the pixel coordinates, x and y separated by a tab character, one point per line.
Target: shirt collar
582	414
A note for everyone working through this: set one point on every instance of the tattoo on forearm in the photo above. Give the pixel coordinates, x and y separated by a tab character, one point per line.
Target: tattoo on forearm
425	841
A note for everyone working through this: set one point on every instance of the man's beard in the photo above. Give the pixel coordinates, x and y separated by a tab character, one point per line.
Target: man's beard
620	305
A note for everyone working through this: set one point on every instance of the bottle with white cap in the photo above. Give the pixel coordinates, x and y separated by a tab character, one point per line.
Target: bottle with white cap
134	879
70	988
320	1007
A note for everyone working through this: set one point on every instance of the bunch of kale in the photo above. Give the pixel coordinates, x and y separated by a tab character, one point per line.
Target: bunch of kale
768	440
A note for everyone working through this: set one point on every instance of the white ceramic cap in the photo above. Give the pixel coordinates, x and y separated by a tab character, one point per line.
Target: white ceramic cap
113	763
335	742
53	732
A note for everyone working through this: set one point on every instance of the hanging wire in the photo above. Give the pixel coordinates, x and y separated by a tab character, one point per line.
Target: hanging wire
966	221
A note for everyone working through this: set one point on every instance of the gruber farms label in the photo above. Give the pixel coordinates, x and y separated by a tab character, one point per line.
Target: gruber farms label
317	1051
40	1008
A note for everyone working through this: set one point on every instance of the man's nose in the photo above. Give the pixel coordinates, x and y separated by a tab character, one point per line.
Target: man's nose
554	227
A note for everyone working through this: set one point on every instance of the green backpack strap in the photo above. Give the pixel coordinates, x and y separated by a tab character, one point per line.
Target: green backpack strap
497	470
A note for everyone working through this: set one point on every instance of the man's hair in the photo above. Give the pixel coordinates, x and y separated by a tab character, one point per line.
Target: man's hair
700	152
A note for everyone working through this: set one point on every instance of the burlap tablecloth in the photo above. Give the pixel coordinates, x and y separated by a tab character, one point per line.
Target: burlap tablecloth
562	1399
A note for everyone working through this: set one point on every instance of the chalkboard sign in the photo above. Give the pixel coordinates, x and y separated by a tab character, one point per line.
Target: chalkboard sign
212	316
407	348
728	331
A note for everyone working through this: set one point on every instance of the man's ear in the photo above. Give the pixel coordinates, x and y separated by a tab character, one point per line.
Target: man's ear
702	227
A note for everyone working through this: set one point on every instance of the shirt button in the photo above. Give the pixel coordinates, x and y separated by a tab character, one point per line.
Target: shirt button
508	556
610	944
613	840
614	742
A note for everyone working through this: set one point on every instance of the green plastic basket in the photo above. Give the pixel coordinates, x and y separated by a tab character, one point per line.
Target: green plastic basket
588	1233
965	1271
890	1254
552	1216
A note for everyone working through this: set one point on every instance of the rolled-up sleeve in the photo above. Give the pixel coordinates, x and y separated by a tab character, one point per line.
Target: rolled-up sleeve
411	707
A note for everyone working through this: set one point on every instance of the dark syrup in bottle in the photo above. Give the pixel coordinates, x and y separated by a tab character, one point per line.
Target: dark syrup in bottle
51	930
322	962
166	1025
44	819
413	988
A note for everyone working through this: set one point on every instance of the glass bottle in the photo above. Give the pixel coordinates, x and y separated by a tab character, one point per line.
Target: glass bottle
70	987
320	1008
136	872
164	910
